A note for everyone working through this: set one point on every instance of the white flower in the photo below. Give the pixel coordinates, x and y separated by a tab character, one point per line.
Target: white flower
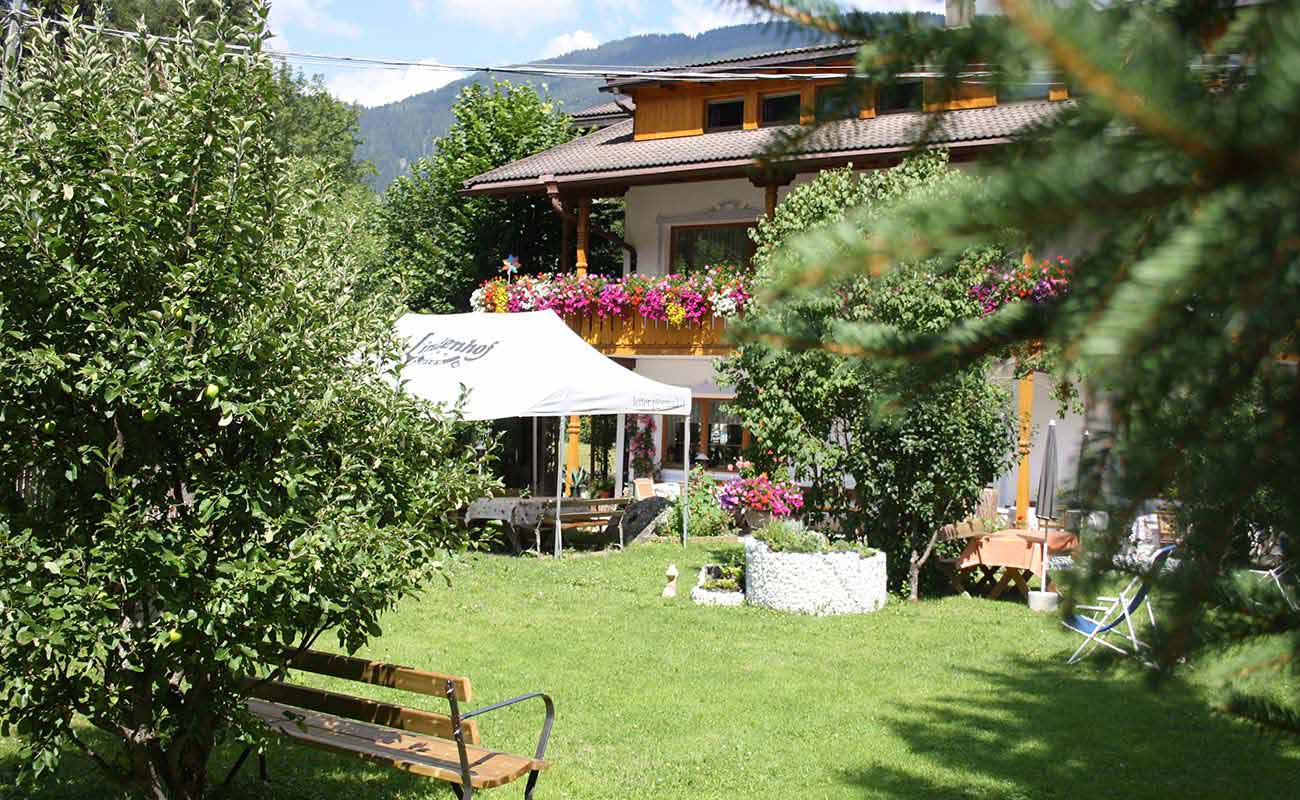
477	301
724	305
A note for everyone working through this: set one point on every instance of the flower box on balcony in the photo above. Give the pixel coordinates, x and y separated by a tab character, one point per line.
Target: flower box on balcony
636	315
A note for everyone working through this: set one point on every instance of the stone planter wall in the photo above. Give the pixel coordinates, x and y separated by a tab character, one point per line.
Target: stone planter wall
814	583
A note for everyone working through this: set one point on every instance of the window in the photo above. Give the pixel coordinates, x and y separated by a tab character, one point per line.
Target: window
779	109
1025	91
694	247
898	97
721	446
724	115
841	101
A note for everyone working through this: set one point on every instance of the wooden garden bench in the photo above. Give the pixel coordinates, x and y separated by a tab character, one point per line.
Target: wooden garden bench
442	747
582	513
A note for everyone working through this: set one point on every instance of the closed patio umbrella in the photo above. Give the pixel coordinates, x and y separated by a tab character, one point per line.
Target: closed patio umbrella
1046	503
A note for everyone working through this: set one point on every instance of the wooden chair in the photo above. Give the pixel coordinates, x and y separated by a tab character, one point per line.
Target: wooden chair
1166	526
442	747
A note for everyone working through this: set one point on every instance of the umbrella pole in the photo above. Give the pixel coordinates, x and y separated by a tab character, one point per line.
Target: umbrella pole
686	480
559	482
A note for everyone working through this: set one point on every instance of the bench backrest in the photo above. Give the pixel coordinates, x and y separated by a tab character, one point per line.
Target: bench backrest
377	673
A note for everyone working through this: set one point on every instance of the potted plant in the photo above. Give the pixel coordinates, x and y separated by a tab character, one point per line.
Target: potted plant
757	500
604	487
580	483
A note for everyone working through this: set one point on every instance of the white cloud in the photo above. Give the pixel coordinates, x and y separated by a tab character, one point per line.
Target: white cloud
568	42
419	6
697	16
510	16
311	15
377	87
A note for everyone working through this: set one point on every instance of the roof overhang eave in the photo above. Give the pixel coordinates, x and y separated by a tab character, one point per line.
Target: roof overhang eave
710	170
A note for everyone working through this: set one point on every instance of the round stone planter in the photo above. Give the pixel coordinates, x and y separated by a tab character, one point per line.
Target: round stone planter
814	583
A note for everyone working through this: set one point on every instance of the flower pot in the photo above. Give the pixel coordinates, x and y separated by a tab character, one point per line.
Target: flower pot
756	520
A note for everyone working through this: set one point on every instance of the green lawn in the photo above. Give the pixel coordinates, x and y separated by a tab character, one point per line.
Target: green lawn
662	699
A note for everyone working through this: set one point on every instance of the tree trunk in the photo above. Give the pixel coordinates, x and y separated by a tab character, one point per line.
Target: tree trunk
918	561
179	772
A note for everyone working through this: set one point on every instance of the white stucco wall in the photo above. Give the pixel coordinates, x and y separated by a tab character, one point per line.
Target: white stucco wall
1069	437
652	210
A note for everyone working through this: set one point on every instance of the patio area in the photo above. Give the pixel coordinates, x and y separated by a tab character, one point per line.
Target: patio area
661	698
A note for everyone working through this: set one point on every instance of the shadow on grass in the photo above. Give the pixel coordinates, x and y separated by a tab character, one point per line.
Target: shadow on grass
295	772
1051	731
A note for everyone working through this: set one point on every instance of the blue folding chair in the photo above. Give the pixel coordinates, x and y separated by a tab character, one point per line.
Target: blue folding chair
1116	615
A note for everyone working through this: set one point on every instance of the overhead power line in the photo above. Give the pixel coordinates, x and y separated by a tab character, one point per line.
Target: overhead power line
602	72
554	70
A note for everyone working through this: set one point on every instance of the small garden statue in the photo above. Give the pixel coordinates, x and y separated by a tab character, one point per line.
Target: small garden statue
671	589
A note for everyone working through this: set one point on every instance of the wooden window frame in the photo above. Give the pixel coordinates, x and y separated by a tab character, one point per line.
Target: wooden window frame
799	112
708	101
672	239
881	111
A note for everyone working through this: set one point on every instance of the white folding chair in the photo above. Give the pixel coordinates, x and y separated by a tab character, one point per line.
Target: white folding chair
1114	619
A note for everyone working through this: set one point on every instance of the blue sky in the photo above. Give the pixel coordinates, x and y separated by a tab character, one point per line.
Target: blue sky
485	32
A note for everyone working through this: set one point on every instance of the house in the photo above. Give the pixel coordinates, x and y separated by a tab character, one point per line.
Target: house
684	156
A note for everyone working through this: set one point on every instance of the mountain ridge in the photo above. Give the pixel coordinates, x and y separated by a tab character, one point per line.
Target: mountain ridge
395	135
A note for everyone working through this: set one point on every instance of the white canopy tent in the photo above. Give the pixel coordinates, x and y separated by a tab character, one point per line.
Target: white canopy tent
527	365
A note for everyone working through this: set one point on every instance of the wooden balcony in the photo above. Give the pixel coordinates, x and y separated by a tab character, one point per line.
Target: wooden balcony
625	338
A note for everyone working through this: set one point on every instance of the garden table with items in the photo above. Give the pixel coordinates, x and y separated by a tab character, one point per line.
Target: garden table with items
991	564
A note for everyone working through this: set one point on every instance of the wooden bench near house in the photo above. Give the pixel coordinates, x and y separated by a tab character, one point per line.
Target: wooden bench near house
444	747
583	514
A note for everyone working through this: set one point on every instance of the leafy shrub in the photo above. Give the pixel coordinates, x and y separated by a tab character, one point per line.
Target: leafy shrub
919	449
732	577
707	516
789	536
200	465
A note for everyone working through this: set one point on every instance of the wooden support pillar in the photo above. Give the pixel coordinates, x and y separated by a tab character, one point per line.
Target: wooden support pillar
572	457
1026	404
771	200
584	235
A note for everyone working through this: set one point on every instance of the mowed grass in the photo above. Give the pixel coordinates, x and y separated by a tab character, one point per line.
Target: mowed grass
656	698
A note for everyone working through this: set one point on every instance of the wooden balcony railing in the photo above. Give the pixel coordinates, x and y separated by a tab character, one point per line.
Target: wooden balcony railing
642	337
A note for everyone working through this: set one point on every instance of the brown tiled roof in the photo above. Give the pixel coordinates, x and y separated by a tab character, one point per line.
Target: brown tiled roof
817	51
621	106
610	154
771	58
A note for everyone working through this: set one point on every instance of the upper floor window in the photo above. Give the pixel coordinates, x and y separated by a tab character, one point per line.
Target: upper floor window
779	109
724	115
694	247
901	96
842	100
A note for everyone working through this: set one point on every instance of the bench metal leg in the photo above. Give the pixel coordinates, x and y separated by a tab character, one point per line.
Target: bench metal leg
261	767
466	779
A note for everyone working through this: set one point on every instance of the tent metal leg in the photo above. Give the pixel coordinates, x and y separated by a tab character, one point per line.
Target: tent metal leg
560	444
686	478
619	445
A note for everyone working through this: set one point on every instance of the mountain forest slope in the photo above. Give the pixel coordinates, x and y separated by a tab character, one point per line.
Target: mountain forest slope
397	134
